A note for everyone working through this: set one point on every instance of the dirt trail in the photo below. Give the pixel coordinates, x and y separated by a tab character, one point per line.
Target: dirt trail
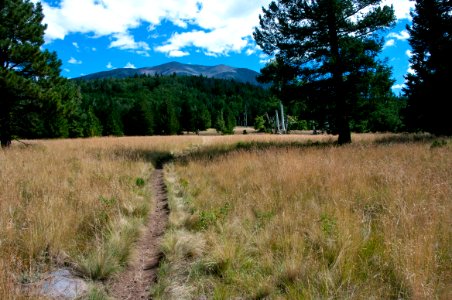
135	281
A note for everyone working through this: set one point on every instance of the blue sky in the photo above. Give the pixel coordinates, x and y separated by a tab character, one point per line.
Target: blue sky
97	35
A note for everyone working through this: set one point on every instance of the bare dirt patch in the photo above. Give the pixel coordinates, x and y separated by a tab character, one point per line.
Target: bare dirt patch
136	280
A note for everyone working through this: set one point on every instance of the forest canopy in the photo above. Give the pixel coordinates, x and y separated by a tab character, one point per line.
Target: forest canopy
165	105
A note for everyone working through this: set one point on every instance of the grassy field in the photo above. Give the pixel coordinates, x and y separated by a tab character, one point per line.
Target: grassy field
252	216
368	220
73	202
80	203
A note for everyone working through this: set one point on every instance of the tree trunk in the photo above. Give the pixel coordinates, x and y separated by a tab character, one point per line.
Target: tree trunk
283	124
5	116
345	136
6	142
342	124
5	132
278	128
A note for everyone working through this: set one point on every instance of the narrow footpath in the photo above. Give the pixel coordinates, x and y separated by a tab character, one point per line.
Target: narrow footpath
135	281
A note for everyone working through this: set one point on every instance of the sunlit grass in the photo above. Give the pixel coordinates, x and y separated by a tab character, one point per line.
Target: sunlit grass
273	218
369	220
75	203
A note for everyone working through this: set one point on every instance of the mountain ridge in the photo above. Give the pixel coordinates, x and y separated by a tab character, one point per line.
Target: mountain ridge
217	71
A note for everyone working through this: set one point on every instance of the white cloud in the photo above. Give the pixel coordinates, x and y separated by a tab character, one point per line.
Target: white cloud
113	16
401	7
250	51
389	43
74	61
129	65
398	86
264	58
408	53
109	65
75	44
93	49
402	36
151	27
217	42
177	53
125	41
224	26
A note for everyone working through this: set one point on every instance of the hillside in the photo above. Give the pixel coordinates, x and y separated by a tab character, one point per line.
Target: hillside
218	71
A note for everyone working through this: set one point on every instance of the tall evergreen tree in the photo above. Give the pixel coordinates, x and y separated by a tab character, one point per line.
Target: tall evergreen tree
25	70
428	87
318	39
139	120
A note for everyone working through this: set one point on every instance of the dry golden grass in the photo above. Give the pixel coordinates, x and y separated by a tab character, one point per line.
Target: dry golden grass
79	202
361	221
73	202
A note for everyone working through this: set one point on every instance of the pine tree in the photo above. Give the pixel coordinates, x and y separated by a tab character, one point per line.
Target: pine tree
139	120
428	87
25	70
317	41
220	124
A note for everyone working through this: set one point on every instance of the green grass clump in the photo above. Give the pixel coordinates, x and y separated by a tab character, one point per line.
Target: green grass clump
140	182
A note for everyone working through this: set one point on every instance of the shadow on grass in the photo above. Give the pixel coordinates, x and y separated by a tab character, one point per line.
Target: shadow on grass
213	152
406	138
156	158
159	158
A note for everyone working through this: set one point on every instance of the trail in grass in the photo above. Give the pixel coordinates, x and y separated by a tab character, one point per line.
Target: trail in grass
135	281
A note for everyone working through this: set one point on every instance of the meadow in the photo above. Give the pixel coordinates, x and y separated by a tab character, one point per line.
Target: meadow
314	221
78	203
75	203
252	216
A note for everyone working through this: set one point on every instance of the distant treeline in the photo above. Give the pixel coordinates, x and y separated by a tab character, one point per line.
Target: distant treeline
167	105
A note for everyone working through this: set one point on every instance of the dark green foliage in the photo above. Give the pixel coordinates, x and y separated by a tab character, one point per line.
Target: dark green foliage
438	144
165	105
35	100
139	119
220	124
324	50
168	122
140	182
194	113
229	121
88	122
374	107
259	123
225	121
428	87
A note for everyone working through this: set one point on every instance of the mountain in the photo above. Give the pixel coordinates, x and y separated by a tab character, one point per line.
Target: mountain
219	71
